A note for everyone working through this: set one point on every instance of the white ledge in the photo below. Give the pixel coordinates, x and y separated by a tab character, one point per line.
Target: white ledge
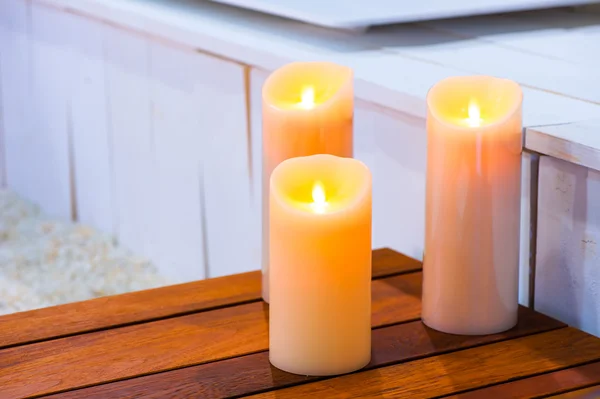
550	53
576	142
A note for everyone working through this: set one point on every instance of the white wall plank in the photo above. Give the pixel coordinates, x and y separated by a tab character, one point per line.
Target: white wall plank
180	124
89	125
529	169
133	156
257	79
568	254
394	146
15	60
49	183
2	149
227	168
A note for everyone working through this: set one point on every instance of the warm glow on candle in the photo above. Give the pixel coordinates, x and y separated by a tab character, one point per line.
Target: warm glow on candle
472	205
474	118
320	265
319	200
307	98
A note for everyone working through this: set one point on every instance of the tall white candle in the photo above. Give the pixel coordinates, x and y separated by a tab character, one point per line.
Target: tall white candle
470	268
320	278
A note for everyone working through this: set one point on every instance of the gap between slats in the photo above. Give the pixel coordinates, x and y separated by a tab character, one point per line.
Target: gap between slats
2	146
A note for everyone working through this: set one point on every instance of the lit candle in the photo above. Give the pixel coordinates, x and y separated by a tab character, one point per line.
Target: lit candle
320	253
307	110
470	269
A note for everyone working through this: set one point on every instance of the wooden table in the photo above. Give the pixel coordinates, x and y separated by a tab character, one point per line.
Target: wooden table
208	339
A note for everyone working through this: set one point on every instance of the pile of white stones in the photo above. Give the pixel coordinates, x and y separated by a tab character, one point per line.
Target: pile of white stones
45	262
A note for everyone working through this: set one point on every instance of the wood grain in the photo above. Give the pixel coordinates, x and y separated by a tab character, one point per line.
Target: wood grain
541	385
457	371
135	307
587	393
253	373
114	354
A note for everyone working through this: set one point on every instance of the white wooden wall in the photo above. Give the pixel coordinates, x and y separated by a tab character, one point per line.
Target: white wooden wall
137	137
15	68
568	248
2	155
89	125
160	144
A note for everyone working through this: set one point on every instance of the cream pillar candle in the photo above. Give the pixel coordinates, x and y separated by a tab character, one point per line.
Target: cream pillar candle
307	110
471	261
320	254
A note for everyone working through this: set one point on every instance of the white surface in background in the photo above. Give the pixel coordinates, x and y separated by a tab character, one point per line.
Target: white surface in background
394	66
567	274
577	142
359	13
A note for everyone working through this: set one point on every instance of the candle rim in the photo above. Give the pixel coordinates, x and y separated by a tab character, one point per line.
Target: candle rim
274	101
499	121
361	193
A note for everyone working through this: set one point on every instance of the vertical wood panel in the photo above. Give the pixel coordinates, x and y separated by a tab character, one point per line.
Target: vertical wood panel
179	126
15	61
89	125
2	156
257	79
568	254
226	171
393	146
47	158
528	166
133	166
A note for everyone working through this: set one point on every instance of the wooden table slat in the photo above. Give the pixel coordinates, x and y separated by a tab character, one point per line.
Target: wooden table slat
148	305
540	385
587	393
125	352
457	371
253	373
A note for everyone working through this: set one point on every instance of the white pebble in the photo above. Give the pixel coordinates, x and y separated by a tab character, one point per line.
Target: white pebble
46	262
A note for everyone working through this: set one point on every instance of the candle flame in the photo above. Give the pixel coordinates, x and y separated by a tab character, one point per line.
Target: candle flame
474	118
319	199
307	98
